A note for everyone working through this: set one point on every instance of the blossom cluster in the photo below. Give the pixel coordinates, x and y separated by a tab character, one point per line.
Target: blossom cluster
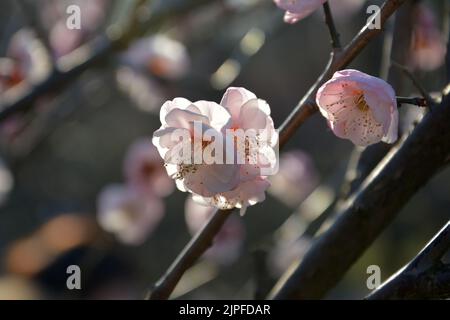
224	185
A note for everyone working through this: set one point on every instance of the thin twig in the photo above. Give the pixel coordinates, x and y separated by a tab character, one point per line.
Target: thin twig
334	34
425	277
414	81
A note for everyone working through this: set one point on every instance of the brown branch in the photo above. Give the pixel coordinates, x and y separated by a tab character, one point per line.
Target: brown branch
191	252
305	108
403	171
425	277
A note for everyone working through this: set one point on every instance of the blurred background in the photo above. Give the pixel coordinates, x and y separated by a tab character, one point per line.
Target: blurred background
79	180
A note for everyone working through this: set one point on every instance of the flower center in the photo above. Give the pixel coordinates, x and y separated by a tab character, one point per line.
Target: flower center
361	103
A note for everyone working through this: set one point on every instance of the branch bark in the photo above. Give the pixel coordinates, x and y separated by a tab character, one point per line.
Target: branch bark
403	171
425	277
193	250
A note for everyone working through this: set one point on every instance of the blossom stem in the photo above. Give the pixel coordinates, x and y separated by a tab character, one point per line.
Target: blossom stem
425	277
418	101
335	41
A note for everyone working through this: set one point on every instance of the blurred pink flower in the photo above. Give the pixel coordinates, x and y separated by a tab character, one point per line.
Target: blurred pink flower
344	9
296	178
145	92
248	112
64	40
227	243
144	170
245	194
298	9
161	55
26	61
285	253
127	214
428	47
359	107
11	73
178	116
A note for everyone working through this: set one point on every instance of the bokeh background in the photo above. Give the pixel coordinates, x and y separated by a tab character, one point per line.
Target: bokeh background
71	144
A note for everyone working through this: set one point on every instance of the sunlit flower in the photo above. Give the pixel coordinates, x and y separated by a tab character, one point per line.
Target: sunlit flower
64	40
144	170
344	9
428	46
127	214
244	125
180	119
227	243
298	9
359	107
296	178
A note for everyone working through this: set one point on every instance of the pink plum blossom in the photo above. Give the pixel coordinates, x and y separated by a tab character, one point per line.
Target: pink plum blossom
127	214
26	61
296	178
359	107
298	9
180	116
144	170
227	243
285	253
428	46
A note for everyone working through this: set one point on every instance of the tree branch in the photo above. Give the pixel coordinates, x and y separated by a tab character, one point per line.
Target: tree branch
425	277
305	108
335	42
404	170
102	48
